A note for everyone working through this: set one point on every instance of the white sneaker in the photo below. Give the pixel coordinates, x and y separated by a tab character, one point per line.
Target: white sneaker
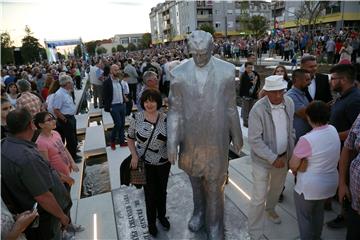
272	215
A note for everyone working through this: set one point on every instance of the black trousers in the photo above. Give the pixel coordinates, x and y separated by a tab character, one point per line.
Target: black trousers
353	223
132	91
155	191
68	132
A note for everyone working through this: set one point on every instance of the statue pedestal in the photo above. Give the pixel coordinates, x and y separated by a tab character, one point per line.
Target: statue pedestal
130	213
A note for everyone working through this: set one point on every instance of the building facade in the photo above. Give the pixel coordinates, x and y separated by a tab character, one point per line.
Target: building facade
173	20
125	39
335	15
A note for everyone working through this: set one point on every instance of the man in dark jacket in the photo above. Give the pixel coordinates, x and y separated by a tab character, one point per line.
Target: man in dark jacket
114	102
249	86
319	88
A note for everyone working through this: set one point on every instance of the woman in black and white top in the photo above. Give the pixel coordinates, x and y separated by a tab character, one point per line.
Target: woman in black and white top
157	165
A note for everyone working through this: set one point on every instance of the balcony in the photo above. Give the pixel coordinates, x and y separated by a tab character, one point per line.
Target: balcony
205	17
204	5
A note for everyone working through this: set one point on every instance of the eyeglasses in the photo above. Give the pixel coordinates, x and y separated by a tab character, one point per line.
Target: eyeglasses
51	118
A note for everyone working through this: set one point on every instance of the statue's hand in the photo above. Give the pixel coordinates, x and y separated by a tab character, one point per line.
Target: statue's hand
237	148
172	156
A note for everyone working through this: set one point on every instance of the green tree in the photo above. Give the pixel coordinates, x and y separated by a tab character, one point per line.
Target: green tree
256	25
91	47
101	50
146	40
113	49
7	51
131	47
207	28
120	48
77	51
60	56
31	50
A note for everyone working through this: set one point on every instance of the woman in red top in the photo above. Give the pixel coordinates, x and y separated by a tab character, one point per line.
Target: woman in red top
45	90
338	46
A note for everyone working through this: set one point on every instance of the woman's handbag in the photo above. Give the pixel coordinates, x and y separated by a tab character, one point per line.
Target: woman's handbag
138	175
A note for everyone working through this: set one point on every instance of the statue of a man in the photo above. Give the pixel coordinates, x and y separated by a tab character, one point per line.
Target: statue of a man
202	120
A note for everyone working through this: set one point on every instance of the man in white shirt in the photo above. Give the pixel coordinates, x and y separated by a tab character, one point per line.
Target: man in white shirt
271	137
97	84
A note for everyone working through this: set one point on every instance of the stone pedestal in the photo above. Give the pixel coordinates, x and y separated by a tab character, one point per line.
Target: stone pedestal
130	213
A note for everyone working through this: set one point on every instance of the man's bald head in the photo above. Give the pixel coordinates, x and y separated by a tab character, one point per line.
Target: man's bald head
115	71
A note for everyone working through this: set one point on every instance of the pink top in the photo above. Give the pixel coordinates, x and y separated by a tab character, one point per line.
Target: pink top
303	147
55	148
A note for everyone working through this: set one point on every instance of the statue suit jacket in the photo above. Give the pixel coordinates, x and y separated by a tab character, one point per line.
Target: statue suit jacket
202	119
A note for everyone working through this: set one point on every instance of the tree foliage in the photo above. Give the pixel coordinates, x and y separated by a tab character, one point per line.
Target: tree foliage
256	25
113	49
146	40
77	51
31	50
7	51
206	27
101	50
91	47
131	47
309	12
60	56
120	48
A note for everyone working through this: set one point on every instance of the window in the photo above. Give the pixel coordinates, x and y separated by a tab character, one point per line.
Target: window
229	12
217	25
333	7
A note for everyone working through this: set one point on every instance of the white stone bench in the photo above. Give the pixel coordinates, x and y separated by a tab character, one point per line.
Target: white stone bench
94	112
107	120
115	158
77	176
82	122
102	207
94	141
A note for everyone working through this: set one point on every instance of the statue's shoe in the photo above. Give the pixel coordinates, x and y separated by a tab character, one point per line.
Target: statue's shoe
214	233
196	222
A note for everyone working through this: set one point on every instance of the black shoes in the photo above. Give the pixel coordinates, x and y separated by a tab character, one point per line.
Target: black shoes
77	159
338	222
165	223
153	230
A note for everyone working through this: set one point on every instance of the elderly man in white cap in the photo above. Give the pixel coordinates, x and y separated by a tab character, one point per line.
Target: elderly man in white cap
271	137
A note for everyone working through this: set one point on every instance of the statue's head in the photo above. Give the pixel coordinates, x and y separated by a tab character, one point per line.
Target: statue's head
201	47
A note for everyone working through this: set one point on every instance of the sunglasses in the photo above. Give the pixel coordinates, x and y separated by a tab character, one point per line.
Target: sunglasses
50	118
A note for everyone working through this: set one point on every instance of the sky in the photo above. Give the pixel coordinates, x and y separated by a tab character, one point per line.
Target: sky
72	19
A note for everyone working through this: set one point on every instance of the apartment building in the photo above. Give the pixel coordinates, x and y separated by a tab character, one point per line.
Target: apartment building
335	15
173	20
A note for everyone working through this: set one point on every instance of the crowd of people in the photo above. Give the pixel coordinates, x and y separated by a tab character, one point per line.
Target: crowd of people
308	123
301	123
327	46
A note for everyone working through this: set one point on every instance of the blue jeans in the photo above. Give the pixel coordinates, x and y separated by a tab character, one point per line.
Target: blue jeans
118	115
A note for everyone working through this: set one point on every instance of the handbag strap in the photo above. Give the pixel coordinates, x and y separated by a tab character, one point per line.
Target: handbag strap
152	133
